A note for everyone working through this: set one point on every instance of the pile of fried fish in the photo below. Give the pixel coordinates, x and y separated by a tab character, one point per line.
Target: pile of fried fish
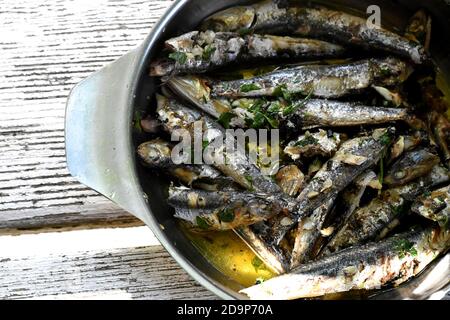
361	199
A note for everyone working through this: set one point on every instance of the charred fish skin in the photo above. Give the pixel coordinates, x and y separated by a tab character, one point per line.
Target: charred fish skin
349	29
372	266
256	238
435	206
327	113
321	81
411	166
226	210
317	22
200	52
309	232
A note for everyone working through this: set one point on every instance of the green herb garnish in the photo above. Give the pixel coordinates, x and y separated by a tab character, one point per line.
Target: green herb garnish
137	121
282	92
179	57
202	223
249	87
293	107
225	119
208	52
308	140
258	264
259	280
205	144
226	215
404	247
385	72
386	139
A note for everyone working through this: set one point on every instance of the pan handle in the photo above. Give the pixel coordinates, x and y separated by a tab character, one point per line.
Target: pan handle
98	134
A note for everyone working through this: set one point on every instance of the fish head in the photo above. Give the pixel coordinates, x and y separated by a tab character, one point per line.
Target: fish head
232	19
154	152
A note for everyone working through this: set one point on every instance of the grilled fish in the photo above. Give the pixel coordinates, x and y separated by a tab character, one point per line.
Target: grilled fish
327	113
224	210
311	230
156	154
308	233
435	206
175	116
353	158
372	266
199	52
322	81
381	214
295	114
412	165
317	22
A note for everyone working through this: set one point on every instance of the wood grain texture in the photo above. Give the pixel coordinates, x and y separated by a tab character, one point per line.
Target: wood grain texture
132	273
47	47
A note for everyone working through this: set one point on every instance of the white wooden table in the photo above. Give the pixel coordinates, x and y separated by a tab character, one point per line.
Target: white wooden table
59	239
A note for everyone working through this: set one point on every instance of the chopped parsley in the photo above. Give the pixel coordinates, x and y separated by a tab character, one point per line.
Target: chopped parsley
386	139
308	140
404	247
205	144
226	215
208	52
427	193
225	119
137	122
257	263
282	92
261	117
179	57
259	280
385	72
293	107
249	87
202	223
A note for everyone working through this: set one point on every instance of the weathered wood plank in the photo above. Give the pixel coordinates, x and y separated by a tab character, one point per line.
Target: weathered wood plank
114	272
47	47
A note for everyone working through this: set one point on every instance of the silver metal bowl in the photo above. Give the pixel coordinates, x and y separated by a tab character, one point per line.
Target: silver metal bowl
100	145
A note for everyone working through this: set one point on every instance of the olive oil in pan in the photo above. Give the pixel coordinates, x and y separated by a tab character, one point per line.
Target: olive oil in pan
228	254
443	85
